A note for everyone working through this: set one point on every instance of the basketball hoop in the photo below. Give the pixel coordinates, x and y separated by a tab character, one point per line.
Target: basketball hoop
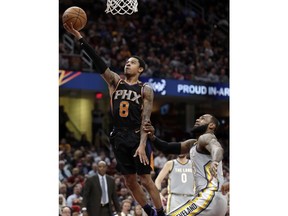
121	6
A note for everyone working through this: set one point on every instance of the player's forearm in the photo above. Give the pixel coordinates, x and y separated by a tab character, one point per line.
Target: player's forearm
145	118
97	60
143	138
217	154
158	183
166	147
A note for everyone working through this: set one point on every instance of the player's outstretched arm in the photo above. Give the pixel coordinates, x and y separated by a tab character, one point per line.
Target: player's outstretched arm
168	147
109	76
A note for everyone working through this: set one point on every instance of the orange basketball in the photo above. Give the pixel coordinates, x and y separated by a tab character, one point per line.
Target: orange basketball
75	15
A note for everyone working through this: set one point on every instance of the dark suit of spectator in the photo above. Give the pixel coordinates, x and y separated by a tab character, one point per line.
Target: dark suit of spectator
92	193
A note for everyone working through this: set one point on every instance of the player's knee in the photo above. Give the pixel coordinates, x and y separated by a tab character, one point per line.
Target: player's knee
130	182
145	181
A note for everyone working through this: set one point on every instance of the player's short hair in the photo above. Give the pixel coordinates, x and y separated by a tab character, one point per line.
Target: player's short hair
215	121
141	62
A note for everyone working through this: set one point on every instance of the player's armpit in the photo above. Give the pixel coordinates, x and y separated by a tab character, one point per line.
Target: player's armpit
187	145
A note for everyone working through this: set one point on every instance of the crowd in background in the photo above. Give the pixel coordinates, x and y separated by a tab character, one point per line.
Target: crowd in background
175	40
78	161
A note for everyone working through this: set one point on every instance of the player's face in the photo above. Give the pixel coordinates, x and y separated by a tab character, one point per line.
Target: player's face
132	67
201	124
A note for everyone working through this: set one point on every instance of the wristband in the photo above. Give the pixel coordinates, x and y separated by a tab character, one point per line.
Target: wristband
167	148
97	60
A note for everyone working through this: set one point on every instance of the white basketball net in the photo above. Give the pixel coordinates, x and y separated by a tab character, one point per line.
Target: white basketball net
121	6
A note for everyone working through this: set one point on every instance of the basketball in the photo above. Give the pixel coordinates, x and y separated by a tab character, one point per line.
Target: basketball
76	15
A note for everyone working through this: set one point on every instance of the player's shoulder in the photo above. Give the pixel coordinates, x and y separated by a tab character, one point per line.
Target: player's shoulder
205	139
147	90
169	164
189	142
207	135
147	85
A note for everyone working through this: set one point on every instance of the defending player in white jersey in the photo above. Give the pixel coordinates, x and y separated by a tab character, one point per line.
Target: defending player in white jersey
180	181
206	154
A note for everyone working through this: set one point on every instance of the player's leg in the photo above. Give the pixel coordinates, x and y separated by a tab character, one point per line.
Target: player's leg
149	185
124	145
138	193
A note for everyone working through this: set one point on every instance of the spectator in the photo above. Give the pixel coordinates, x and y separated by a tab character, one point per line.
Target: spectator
75	198
125	208
119	184
223	78
63	190
159	162
212	76
62	202
76	178
64	172
138	211
66	211
124	194
189	33
94	170
103	157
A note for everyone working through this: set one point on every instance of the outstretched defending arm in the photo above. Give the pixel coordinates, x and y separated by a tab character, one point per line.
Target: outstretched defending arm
168	147
173	147
165	147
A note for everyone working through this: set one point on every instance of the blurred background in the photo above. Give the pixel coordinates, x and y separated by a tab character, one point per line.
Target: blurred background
185	44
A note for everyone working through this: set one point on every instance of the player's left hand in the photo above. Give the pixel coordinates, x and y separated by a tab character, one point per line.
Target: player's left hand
140	151
214	168
69	28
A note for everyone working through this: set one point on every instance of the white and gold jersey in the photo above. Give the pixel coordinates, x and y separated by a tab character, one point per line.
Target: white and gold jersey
208	199
180	184
203	178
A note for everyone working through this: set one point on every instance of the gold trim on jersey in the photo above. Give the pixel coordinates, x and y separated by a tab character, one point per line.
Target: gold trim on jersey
168	202
212	182
202	200
169	191
195	206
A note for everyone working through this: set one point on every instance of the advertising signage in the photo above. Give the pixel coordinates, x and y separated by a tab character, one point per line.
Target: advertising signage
188	88
164	87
